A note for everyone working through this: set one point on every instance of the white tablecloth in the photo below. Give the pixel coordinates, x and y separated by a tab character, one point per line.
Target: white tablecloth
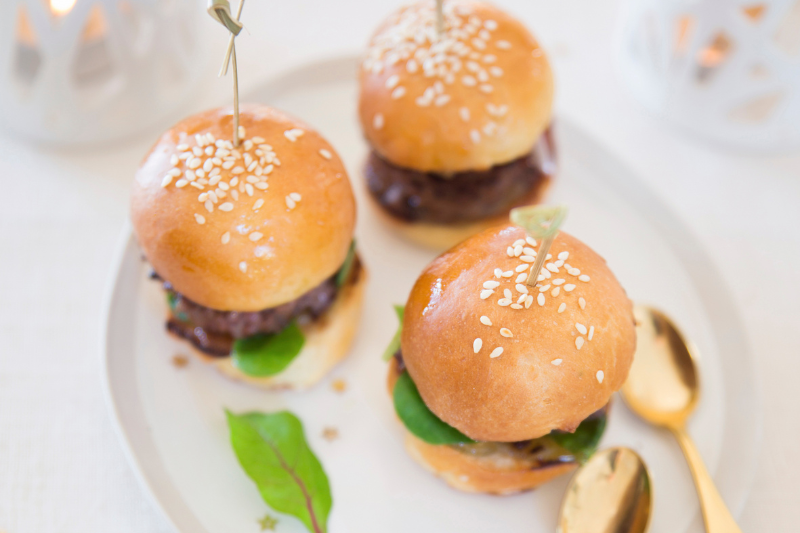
61	467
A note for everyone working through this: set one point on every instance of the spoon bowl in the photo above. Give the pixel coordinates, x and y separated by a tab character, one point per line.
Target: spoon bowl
611	493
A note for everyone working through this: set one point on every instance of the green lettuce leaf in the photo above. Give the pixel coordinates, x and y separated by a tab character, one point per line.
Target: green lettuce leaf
273	451
419	419
583	443
394	345
344	273
267	355
172	301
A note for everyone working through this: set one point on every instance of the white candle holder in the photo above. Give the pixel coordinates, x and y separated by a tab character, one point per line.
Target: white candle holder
83	71
726	69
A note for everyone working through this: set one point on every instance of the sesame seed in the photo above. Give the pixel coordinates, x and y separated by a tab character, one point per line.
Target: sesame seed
477	345
475	135
255	236
503	45
522	298
377	121
516	306
227	206
259	140
399	92
249	189
194	163
182	147
584	277
258	204
325	153
559	281
209	206
563	256
412	66
498	272
226	237
519	242
521	288
241	132
464	114
485	320
291	204
181	183
469	81
600	376
243	266
496	352
234	181
510	251
521	268
528	258
556	362
540	299
574	272
555	292
580	327
237	170
505	332
495	71
521	278
591	332
518	250
196	185
486	293
392	81
569	287
579	342
486	88
507	293
295	196
197	151
545	288
527	250
504	302
166	181
491	284
531	241
261	186
441	100
551	267
559	263
582	303
562	307
490	25
200	218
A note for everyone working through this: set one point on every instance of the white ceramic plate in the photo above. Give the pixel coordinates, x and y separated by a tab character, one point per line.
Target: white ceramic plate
172	424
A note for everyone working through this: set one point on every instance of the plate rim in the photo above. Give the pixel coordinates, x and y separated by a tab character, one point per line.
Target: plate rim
681	240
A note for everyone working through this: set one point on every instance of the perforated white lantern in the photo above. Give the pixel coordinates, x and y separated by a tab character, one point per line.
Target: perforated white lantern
726	69
81	71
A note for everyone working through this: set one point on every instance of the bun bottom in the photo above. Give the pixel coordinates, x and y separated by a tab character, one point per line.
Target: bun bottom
497	473
494	473
327	341
445	236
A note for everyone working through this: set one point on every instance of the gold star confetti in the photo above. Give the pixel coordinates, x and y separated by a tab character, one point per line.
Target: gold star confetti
180	361
339	385
268	523
330	434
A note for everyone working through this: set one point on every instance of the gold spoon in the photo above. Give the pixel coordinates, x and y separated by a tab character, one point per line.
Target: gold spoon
663	388
611	493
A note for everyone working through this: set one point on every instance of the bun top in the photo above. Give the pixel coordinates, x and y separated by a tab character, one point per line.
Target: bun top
502	368
249	228
478	97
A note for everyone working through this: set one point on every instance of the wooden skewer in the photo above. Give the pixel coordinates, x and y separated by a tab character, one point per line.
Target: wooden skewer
544	249
439	18
224	69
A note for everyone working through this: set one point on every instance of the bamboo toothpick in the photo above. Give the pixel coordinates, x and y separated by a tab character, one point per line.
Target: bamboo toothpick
220	10
439	18
543	223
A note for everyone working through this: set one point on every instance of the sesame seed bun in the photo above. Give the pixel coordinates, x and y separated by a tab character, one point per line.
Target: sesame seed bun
272	238
499	472
536	369
327	341
449	120
443	236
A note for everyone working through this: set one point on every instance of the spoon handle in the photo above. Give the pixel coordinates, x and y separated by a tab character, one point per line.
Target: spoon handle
715	513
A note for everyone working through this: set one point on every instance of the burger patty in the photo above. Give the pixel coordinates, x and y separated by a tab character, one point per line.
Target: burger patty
213	332
416	196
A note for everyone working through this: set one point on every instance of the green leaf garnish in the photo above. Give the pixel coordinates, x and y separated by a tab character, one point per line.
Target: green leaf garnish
539	221
267	355
583	443
344	273
172	301
419	419
394	345
273	452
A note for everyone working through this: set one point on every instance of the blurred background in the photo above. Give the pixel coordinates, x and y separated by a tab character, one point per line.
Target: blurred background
701	99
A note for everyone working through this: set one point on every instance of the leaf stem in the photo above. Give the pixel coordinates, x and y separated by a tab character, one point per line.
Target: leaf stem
300	484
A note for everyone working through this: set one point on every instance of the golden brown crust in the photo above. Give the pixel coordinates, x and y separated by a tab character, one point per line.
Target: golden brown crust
521	394
437	137
443	236
327	341
299	248
495	474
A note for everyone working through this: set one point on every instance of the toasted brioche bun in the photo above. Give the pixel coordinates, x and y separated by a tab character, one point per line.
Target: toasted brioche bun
298	249
505	114
520	394
327	341
497	473
443	236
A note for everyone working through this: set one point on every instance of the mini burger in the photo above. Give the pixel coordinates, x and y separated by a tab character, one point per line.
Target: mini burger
501	386
253	244
458	123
